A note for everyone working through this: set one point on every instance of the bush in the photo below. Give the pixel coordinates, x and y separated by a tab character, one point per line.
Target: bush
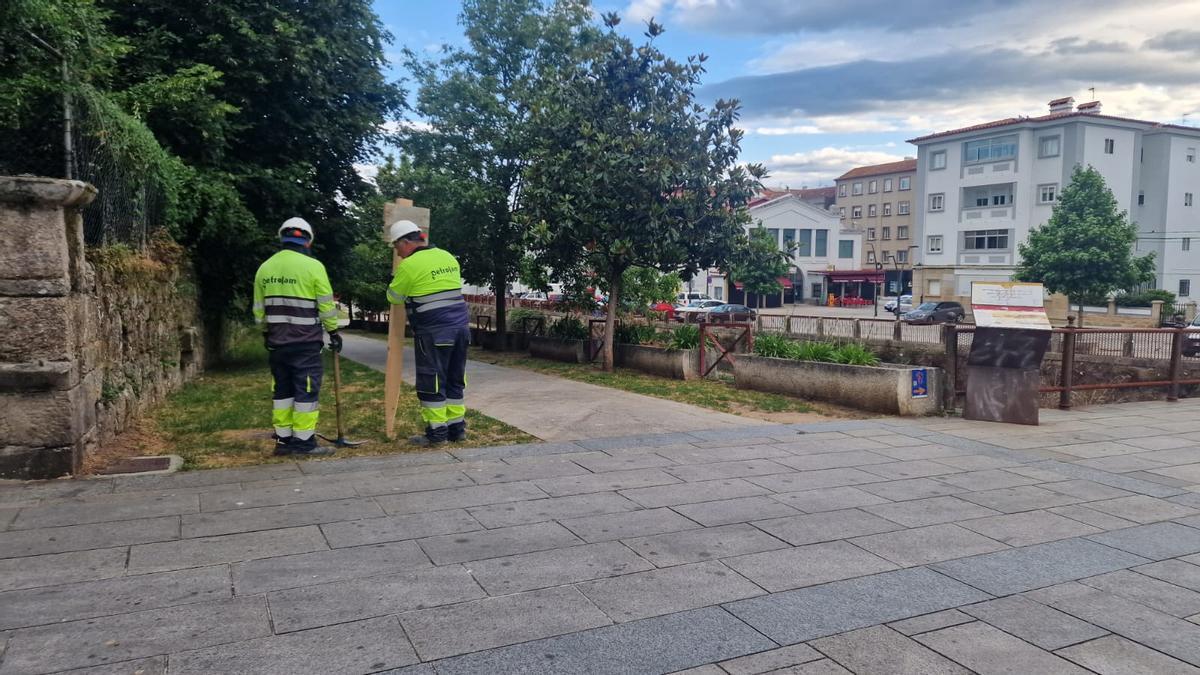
775	346
779	347
854	354
823	352
683	337
515	318
635	334
568	328
1144	298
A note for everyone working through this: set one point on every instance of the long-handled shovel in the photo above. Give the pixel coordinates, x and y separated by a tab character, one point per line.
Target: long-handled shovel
340	441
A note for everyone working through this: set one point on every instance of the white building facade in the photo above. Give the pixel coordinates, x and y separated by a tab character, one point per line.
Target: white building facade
983	188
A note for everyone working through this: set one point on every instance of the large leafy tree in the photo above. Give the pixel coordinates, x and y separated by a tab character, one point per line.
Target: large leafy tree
466	156
1086	248
630	171
758	262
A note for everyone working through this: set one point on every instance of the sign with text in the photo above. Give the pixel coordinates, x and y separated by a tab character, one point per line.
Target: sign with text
1009	304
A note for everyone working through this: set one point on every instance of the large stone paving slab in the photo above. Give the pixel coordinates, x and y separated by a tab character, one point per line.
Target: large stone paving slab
305	569
41	541
828	526
554	508
530	571
882	651
1033	622
987	651
808	565
1114	655
62	568
398	528
1023	569
175	555
688	546
664	591
465	546
925	545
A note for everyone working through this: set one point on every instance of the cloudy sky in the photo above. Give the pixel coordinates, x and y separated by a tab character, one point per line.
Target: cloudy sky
828	85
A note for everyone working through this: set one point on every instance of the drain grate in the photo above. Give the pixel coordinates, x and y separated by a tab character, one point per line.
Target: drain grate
137	465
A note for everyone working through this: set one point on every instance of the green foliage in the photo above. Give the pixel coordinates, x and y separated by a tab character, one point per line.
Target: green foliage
366	277
636	334
1086	248
774	346
518	316
824	352
477	104
568	328
1144	298
854	354
758	262
644	286
684	337
629	170
777	346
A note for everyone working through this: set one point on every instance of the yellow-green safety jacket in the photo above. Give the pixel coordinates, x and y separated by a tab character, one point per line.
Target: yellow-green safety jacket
429	284
292	296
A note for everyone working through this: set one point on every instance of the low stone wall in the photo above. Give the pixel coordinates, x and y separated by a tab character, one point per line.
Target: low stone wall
676	364
91	338
886	388
554	349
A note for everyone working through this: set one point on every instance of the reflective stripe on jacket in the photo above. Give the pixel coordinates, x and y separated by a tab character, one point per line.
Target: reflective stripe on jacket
292	296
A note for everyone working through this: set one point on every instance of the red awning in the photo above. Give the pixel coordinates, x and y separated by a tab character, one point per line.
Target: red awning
855	277
783	281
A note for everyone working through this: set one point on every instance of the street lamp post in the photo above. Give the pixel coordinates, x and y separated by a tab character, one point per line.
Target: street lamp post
878	267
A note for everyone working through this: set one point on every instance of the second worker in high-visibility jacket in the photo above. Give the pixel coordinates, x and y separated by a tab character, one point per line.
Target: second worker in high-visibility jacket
429	284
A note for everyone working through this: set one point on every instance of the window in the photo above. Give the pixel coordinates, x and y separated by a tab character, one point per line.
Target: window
789	240
902	232
774	234
1109	146
901	256
1185	287
887	233
937	202
990	149
872	211
1191	155
842	190
856	212
1141	199
804	243
857	189
1187	243
842	212
871	256
985	240
902	208
846	248
887	184
906	182
1049	146
933	287
718	293
935	244
822	247
873	187
937	160
871	234
887	208
1187	199
1047	193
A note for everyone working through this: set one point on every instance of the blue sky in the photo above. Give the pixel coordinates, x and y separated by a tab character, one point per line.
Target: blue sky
827	85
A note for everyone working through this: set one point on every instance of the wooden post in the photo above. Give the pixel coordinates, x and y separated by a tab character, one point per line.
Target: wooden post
950	374
1067	377
401	209
1176	361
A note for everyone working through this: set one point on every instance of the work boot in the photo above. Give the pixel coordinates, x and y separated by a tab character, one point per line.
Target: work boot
423	441
283	445
309	448
457	433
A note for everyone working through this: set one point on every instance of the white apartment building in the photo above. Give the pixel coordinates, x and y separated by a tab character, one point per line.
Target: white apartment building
983	187
823	246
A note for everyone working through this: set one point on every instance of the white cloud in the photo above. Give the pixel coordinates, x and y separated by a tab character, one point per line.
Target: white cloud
367	171
821	166
644	10
394	126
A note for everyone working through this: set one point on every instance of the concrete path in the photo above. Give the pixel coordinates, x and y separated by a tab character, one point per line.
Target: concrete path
556	409
924	546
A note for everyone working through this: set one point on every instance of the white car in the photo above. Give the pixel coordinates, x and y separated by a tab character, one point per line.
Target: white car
898	305
695	310
688	297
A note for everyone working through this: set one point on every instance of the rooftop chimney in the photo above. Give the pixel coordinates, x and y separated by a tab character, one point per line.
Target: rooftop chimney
1062	104
1089	107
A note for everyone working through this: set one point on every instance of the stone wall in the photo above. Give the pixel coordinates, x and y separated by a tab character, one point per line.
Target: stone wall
86	344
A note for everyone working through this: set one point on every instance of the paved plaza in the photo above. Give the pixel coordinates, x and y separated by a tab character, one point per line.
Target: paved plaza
887	546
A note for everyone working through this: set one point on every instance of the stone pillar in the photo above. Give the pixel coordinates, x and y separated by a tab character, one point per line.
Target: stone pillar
1156	312
47	406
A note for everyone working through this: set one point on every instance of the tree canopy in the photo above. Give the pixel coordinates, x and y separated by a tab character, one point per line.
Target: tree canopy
1086	248
628	170
758	262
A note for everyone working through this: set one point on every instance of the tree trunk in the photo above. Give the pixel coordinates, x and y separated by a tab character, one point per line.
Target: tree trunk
1079	320
499	289
610	319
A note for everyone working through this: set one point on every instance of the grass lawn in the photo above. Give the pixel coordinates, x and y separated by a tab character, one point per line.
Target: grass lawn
223	418
717	394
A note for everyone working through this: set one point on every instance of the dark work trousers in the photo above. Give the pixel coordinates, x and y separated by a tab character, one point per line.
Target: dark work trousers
296	370
441	364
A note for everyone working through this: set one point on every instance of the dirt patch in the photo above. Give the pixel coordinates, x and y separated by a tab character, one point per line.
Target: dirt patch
244	435
139	441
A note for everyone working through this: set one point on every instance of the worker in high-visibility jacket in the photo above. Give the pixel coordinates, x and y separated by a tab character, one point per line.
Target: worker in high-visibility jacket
428	282
293	302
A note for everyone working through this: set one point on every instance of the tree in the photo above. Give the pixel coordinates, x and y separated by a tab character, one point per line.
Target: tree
645	286
468	154
758	262
368	271
1086	248
629	171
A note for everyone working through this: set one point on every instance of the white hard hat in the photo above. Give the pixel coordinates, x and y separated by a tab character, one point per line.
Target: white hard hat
401	228
295	228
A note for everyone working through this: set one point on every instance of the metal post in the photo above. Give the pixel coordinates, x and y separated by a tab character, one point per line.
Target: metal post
1067	375
1176	361
68	123
703	349
896	334
857	330
950	386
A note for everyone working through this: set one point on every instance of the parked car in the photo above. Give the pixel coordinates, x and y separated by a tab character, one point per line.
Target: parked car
898	305
1191	339
935	312
687	297
695	310
729	314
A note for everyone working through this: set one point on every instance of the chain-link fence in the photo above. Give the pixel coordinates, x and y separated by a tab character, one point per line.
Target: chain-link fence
75	131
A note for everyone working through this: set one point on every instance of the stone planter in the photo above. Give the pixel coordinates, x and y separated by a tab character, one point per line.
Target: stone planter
554	349
508	342
885	388
680	364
